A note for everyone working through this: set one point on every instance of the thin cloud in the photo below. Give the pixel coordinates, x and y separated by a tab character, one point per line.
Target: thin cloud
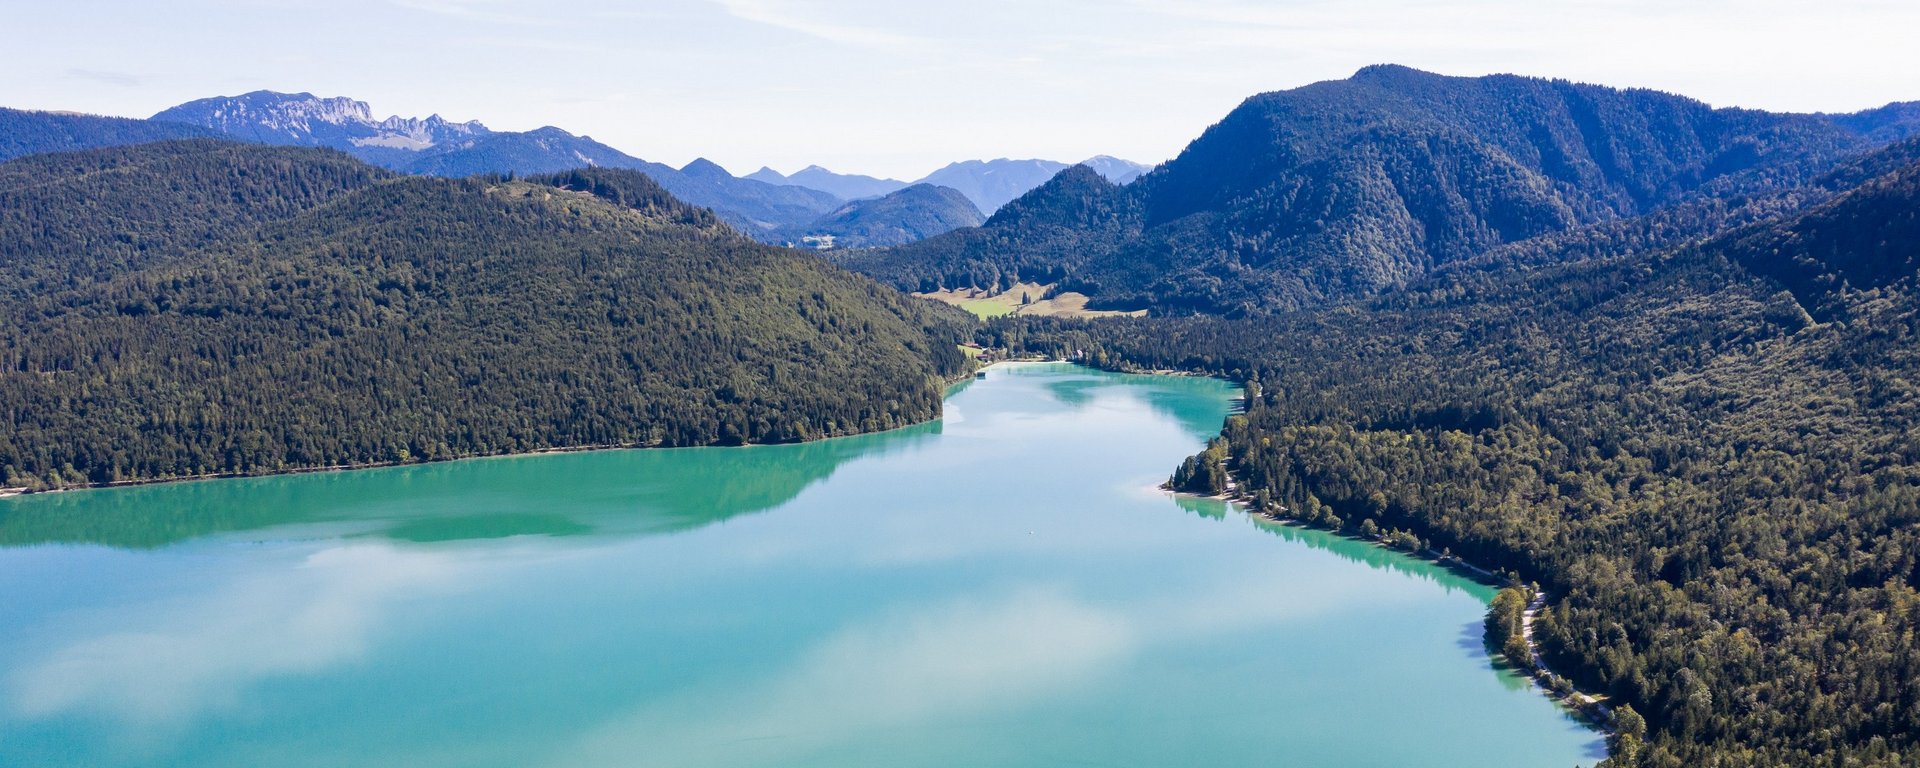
795	18
109	77
483	11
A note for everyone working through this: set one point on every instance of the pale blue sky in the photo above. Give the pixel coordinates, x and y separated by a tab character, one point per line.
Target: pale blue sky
900	87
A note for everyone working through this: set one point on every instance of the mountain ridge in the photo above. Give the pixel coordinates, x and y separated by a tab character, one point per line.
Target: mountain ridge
1346	187
433	146
905	215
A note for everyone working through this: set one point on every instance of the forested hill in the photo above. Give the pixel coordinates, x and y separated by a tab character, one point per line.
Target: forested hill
180	309
1346	187
1045	235
896	218
25	133
1707	452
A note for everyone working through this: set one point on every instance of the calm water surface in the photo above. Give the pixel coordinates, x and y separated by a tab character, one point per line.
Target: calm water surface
1000	588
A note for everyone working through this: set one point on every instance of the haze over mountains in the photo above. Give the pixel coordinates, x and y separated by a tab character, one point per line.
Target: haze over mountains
842	185
990	184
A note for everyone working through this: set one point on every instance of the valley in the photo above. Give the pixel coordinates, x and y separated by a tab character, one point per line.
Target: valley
658	464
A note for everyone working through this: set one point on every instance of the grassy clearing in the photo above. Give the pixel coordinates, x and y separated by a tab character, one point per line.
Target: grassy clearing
1009	302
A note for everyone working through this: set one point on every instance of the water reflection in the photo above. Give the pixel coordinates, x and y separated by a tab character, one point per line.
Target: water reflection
1377	557
1211	509
1171	396
1473	640
609	492
1010	593
917	666
163	664
939	669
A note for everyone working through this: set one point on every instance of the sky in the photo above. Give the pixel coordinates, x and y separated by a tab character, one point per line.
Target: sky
901	87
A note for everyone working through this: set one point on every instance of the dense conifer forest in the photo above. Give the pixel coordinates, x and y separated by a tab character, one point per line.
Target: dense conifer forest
191	308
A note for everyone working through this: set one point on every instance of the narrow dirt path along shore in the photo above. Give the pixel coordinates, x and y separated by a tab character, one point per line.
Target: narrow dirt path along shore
1578	699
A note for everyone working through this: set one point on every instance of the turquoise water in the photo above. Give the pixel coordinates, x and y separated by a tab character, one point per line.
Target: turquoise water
999	588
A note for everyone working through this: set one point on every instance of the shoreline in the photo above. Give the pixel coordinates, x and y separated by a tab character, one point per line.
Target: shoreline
946	387
1592	710
6	493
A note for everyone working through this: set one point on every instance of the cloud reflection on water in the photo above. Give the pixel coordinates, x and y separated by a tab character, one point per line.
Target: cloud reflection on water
180	659
914	668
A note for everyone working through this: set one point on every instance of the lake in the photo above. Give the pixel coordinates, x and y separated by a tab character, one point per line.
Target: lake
1003	587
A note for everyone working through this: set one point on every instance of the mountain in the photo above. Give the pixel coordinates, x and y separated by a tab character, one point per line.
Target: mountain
989	184
434	146
1893	122
1827	258
302	119
1115	169
993	183
185	308
1347	187
910	214
843	186
758	209
1676	424
30	133
1043	236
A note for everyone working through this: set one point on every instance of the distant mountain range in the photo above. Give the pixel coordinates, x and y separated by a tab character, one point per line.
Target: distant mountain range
1115	169
841	185
994	183
437	147
989	184
765	205
904	216
302	119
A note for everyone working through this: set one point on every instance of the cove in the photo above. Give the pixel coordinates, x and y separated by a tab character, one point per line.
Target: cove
1001	587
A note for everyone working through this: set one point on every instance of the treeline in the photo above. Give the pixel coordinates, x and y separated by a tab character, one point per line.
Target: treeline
1708	455
241	309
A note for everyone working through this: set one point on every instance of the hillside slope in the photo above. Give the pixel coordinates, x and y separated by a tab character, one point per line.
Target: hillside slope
248	308
896	218
25	133
1343	188
1708	452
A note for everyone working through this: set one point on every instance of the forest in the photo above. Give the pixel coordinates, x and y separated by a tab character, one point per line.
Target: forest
1348	187
1660	359
1706	451
196	308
